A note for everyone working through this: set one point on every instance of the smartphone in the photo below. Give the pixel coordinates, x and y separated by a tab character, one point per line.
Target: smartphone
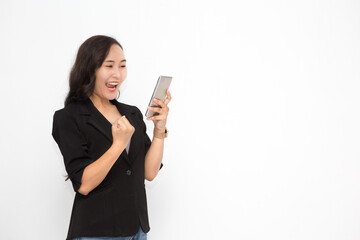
162	85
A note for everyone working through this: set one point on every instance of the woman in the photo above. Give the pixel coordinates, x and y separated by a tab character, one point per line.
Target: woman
106	150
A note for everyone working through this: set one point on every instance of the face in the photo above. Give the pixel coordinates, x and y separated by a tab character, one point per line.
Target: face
110	74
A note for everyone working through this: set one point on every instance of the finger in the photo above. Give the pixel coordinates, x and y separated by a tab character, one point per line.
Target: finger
117	123
159	102
160	111
157	117
126	122
122	121
168	97
155	109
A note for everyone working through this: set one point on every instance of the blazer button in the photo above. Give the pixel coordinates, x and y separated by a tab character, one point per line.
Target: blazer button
128	172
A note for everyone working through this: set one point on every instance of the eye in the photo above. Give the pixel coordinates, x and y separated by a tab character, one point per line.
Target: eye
109	66
123	66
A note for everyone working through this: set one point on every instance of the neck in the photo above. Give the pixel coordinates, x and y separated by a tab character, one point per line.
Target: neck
100	103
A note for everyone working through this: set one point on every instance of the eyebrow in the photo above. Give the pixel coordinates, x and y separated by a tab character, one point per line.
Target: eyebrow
124	60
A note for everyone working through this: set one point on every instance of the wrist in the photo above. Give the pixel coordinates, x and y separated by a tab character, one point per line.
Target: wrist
159	130
163	133
118	147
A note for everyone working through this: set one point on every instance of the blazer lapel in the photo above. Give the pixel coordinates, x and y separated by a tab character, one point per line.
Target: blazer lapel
99	122
130	113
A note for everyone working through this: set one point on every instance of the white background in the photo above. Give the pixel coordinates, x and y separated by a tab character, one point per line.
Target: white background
264	122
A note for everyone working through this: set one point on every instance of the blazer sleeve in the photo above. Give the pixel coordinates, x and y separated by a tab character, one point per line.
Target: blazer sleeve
72	144
146	136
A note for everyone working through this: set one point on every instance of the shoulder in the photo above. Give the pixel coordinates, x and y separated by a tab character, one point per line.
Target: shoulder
67	119
71	110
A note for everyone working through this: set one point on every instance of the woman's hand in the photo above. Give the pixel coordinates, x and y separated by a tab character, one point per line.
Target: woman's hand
122	131
163	110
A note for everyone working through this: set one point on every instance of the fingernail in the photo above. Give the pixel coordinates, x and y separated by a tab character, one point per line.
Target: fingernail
123	116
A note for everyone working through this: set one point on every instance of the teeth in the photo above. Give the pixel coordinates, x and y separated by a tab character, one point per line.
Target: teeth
113	83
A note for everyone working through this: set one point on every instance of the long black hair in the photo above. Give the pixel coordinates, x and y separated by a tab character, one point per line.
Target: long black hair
90	57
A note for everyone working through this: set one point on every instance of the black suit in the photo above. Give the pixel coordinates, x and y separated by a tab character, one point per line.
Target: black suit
117	207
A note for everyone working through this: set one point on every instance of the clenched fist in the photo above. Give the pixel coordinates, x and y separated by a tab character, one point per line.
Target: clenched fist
122	131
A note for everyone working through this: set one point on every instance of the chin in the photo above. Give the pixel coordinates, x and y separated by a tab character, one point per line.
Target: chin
110	97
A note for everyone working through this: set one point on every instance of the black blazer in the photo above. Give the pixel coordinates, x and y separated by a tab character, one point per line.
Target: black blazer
117	207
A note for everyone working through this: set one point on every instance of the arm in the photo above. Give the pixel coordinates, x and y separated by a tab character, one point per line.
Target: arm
153	158
84	172
95	172
154	155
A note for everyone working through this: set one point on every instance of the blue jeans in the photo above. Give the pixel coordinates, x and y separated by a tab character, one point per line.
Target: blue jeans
139	236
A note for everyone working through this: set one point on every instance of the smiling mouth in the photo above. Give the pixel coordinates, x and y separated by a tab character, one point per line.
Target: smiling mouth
111	86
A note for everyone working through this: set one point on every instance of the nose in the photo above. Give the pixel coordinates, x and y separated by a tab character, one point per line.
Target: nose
116	73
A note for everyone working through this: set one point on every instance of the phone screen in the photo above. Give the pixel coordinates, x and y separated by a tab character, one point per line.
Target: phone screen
162	85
